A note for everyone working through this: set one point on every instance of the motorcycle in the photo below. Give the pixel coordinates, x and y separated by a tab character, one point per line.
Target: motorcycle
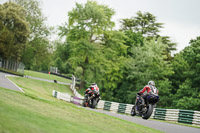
91	99
144	107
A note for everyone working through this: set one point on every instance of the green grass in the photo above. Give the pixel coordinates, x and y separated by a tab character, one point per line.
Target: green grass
40	88
37	111
46	76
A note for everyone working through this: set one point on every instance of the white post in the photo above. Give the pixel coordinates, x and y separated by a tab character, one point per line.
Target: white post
73	82
73	87
56	70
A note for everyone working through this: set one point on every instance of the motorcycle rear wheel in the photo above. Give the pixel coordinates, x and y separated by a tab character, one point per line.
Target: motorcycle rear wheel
147	115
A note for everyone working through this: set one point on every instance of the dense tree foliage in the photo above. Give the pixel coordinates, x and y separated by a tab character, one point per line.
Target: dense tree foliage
187	76
148	63
85	37
37	54
146	25
14	31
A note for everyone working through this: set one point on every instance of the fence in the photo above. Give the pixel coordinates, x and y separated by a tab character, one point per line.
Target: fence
175	115
67	97
12	65
54	70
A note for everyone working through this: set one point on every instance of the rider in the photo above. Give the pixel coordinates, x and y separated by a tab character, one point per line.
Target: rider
89	91
148	89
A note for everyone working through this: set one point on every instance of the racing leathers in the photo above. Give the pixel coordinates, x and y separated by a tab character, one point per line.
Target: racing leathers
90	91
148	89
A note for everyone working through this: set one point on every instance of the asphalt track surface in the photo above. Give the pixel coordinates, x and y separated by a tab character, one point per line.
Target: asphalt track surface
158	125
6	83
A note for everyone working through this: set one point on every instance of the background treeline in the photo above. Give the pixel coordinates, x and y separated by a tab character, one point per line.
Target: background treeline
121	61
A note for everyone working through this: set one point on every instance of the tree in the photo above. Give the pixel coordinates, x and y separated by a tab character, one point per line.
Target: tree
170	46
148	63
60	56
186	77
14	31
115	54
191	54
146	24
133	40
181	68
85	31
37	54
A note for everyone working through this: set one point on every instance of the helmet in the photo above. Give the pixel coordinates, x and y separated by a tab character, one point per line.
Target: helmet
151	83
93	84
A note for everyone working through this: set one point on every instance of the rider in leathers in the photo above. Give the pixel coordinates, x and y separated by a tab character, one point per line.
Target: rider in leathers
148	89
89	91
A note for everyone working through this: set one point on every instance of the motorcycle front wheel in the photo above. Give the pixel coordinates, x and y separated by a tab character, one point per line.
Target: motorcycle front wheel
133	113
84	103
94	103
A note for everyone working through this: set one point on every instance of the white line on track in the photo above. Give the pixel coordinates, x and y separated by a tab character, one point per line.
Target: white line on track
13	82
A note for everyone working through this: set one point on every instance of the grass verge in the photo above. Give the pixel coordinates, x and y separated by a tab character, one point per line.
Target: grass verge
40	88
46	76
36	111
11	72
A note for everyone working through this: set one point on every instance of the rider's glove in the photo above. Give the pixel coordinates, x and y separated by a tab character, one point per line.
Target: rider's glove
139	93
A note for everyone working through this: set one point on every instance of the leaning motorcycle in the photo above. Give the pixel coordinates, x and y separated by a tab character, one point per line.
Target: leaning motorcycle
145	109
91	99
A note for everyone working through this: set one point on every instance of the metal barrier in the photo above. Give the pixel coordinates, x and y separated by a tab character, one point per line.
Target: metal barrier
100	104
172	115
12	65
107	105
61	96
114	106
72	87
175	115
159	114
185	116
196	118
121	108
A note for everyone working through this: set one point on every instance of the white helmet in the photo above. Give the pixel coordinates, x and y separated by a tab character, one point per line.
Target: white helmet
94	84
151	83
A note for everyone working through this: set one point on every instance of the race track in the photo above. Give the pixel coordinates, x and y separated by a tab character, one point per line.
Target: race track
5	83
161	126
